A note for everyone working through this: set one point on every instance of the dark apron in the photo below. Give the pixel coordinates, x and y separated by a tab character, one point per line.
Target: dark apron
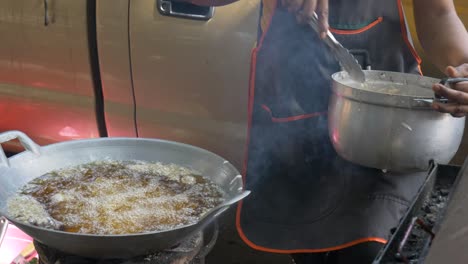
305	198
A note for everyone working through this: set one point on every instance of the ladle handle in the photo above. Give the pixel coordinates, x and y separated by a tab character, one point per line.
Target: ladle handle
25	141
330	40
347	61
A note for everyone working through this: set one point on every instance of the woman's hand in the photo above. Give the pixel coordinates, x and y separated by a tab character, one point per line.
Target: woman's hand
304	9
457	94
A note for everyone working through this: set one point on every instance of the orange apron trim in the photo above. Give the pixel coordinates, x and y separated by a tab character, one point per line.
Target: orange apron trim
291	118
357	31
253	64
420	69
297	251
268	9
239	208
405	33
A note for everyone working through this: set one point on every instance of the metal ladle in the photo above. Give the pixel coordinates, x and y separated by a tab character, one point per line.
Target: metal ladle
345	58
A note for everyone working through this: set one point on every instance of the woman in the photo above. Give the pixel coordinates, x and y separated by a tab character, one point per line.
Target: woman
306	201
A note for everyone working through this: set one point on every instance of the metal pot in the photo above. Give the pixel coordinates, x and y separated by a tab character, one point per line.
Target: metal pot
36	161
388	123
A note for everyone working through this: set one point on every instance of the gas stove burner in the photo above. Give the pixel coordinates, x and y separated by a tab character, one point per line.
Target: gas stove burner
191	251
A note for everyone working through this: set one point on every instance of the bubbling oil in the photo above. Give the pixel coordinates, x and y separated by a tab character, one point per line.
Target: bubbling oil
122	197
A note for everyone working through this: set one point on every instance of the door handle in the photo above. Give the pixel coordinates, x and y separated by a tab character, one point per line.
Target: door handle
177	8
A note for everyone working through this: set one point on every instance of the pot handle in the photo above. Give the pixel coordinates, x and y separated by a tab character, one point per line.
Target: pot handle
25	141
426	102
446	81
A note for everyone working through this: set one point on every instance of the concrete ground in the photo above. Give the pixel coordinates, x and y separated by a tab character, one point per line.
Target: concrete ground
230	249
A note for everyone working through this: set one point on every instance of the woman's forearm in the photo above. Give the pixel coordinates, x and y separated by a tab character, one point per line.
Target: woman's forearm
441	32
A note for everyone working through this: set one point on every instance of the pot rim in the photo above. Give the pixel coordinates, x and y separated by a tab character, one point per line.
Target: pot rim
344	88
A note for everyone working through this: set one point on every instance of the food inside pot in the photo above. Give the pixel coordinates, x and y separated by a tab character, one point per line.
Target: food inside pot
116	197
386	85
393	88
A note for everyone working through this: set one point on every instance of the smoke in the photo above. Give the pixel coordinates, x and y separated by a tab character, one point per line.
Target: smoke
293	81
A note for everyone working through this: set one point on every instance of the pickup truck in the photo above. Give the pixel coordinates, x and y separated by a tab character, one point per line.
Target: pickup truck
72	69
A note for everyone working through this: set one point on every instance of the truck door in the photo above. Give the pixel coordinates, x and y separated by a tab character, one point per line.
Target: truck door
46	84
112	20
190	68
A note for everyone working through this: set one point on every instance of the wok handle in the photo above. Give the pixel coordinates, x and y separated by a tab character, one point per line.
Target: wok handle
3	228
222	207
25	141
218	210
